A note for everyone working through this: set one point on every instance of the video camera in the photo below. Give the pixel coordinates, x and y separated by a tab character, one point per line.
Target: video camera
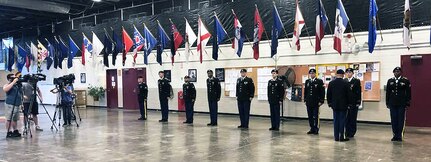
31	78
63	80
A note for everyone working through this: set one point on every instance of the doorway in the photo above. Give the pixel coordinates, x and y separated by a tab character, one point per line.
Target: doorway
112	88
416	69
130	85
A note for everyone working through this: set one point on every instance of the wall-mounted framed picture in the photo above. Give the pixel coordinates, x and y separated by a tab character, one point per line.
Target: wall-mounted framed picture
83	78
219	74
193	74
168	74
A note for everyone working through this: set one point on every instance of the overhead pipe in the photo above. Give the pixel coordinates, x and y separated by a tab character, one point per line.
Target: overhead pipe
37	5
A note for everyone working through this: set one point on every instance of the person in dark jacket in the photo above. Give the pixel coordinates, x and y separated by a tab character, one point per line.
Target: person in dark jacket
244	95
338	99
164	94
398	96
314	96
275	98
142	97
189	96
356	98
213	93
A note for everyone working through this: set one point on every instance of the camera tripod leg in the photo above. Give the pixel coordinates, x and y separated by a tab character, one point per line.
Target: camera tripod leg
77	110
49	116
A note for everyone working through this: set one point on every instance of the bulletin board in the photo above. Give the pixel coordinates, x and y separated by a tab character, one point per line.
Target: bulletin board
230	79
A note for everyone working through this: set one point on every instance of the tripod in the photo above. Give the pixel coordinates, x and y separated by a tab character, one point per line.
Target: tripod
60	105
18	86
75	108
34	97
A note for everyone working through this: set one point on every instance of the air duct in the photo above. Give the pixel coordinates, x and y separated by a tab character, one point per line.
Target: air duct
37	5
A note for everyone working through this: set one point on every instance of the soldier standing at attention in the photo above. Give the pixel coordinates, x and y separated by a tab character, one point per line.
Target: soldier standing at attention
189	95
275	98
398	96
214	93
142	98
338	99
164	94
244	95
355	97
314	96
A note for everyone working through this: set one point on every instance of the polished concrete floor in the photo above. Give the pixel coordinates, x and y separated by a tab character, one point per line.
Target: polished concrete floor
117	135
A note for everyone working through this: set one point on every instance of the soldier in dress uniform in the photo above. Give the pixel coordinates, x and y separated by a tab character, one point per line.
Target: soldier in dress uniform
338	99
189	96
398	96
314	96
244	95
142	98
164	94
214	93
275	99
355	97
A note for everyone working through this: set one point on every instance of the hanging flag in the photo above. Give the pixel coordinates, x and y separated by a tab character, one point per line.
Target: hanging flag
372	28
33	51
299	24
259	28
277	27
220	36
128	43
163	42
407	35
341	21
50	57
150	42
118	46
238	42
28	59
107	43
7	44
21	57
64	52
190	39
97	48
139	43
73	49
11	58
176	40
57	52
42	52
321	22
86	50
203	37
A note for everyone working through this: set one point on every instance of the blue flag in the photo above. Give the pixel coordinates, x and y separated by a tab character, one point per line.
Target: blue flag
57	50
220	35
51	53
163	42
11	58
372	30
107	49
117	48
276	30
150	43
21	57
73	49
64	52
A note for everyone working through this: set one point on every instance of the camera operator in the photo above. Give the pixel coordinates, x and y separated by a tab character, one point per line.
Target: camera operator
66	92
31	99
12	104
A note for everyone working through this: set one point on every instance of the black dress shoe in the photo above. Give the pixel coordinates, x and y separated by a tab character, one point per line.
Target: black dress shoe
9	134
344	139
141	118
394	139
245	127
337	139
240	126
310	132
315	133
271	129
210	124
163	121
399	139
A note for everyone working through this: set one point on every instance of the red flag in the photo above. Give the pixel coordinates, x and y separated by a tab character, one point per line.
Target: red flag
83	54
128	43
176	39
258	30
203	37
27	62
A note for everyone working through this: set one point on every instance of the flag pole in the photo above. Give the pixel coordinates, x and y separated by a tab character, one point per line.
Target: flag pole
380	27
284	29
308	33
188	40
266	33
351	28
248	40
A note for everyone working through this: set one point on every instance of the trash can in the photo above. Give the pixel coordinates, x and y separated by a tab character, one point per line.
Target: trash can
181	104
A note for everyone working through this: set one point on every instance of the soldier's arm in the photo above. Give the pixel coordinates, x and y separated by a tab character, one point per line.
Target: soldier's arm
218	89
388	92
408	92
329	95
193	92
322	92
305	91
251	88
359	92
145	91
281	91
237	87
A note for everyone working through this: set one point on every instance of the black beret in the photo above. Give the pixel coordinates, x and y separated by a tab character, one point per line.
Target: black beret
340	71
349	70
274	70
243	70
186	76
311	71
397	68
209	71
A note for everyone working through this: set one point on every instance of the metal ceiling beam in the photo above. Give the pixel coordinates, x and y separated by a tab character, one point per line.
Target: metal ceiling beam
37	5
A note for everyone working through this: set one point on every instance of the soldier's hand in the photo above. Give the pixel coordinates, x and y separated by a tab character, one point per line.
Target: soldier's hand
193	100
218	99
251	98
320	104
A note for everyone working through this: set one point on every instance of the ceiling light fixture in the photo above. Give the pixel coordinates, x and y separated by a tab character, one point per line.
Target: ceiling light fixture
97	0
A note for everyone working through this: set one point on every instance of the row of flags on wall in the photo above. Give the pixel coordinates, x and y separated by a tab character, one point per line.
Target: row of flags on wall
57	49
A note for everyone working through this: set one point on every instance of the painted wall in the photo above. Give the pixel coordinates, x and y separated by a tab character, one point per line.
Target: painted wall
387	52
